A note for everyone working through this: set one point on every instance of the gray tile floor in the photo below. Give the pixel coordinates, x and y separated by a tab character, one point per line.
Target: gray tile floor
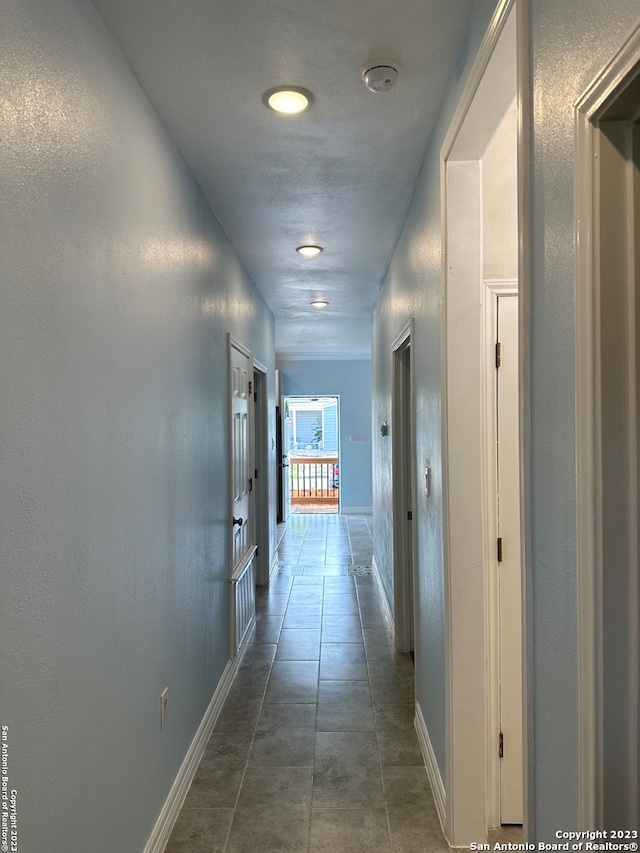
315	749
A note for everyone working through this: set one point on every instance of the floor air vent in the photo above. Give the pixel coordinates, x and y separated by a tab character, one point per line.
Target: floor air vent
359	570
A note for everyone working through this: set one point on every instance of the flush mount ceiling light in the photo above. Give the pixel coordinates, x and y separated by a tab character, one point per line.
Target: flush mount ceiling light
380	76
288	99
319	303
309	251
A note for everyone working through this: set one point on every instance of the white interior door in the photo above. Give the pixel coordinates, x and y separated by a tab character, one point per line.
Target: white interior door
241	461
509	568
287	436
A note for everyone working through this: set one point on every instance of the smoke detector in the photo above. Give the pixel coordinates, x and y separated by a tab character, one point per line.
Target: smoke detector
380	76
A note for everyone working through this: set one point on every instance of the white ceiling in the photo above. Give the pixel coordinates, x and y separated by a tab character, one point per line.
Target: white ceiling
341	174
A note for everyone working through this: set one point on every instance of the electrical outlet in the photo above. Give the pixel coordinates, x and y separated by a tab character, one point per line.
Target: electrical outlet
164	707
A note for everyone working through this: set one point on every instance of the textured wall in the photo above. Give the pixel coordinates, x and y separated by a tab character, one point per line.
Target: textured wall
570	43
351	381
413	288
117	290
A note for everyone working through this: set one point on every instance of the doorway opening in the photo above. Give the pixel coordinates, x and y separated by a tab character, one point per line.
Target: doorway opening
311	445
608	420
260	491
403	450
482	459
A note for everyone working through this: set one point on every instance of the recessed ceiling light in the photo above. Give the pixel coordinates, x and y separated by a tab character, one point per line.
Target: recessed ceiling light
319	303
309	251
288	99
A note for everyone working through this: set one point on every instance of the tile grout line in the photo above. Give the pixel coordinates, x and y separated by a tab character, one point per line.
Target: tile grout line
340	570
255	727
375	724
315	726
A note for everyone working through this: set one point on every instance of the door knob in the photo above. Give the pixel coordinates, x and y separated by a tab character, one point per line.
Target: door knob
238	521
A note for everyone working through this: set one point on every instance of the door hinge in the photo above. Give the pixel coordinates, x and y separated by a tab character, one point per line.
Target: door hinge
501	746
250	387
255	474
250	484
499	549
255	396
409	516
498	354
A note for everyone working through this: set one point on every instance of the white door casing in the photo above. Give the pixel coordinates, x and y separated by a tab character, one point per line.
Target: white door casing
403	450
497	76
259	511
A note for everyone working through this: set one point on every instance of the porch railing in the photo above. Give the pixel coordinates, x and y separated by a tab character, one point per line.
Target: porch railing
314	480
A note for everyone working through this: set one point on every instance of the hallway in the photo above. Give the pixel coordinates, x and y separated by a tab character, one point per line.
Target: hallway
315	749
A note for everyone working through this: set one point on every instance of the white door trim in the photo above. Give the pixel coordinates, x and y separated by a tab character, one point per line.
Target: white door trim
483	57
461	827
588	535
237	345
525	264
589	108
493	288
403	540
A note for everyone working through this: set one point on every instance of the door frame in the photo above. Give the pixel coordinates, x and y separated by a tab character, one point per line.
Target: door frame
232	343
287	398
591	438
493	290
280	506
466	746
404	488
260	499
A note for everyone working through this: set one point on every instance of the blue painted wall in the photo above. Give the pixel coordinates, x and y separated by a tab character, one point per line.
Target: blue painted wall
117	290
570	43
351	381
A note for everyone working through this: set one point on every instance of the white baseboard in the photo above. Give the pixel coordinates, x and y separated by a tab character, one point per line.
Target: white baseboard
433	771
356	510
180	788
383	595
